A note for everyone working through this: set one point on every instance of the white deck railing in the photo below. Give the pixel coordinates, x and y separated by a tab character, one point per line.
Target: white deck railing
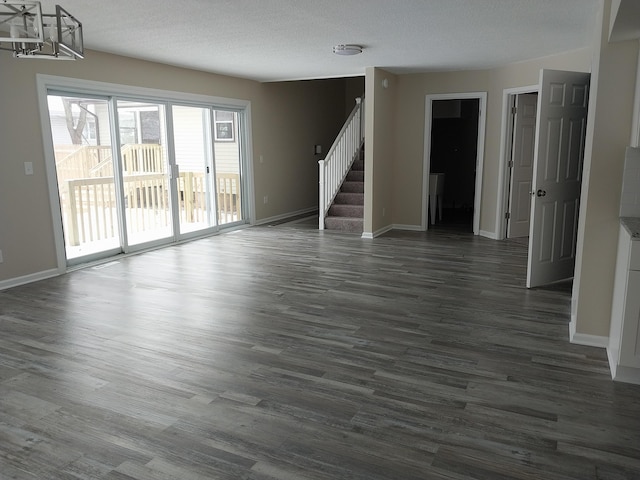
89	204
334	168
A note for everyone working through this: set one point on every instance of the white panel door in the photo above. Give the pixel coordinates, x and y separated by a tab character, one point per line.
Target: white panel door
559	152
524	137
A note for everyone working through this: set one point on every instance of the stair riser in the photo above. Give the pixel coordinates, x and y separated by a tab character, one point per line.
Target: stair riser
353	187
355	211
344	198
358	165
355	176
353	225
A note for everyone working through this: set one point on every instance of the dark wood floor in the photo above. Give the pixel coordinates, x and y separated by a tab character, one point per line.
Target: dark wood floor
282	352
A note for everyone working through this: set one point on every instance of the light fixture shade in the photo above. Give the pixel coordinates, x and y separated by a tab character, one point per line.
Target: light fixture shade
347	49
21	22
29	33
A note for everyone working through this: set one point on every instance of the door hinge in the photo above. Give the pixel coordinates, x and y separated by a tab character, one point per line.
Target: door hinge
507	215
510	164
514	110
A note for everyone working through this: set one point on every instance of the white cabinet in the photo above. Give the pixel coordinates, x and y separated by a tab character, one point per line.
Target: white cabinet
624	336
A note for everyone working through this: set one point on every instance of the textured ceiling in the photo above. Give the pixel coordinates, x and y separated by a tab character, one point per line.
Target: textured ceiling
271	40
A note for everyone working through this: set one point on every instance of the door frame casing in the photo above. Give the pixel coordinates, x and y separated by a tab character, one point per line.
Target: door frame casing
505	147
44	83
426	162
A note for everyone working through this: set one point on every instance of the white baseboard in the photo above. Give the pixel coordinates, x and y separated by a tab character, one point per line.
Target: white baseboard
383	230
626	375
622	373
277	218
409	228
491	235
32	277
377	233
586	339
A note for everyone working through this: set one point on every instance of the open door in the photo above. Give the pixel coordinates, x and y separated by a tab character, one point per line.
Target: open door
559	152
523	149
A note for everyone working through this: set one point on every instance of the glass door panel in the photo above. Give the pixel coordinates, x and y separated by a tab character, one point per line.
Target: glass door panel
192	144
81	133
145	178
227	159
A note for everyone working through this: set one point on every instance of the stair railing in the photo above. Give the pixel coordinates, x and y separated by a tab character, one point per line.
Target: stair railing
336	165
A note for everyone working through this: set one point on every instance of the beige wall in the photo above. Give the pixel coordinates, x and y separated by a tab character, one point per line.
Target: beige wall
380	134
288	119
354	88
409	149
295	116
608	134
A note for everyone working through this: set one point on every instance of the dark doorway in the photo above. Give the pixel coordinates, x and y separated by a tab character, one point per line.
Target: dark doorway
454	144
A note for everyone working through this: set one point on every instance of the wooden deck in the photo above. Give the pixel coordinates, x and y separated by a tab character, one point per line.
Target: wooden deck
283	352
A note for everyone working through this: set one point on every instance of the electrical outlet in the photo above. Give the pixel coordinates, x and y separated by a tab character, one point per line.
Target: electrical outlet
1	257
383	212
28	168
266	199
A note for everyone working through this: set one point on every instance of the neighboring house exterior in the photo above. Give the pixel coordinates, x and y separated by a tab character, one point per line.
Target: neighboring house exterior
285	170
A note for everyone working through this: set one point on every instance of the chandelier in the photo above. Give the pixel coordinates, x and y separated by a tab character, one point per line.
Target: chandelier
28	33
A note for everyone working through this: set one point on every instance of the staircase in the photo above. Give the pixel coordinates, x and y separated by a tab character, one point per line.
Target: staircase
341	199
346	213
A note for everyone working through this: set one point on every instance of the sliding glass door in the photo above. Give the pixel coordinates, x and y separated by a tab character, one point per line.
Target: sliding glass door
194	162
227	149
84	164
144	168
133	174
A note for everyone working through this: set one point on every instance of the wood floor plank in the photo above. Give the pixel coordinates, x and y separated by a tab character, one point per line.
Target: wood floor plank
283	352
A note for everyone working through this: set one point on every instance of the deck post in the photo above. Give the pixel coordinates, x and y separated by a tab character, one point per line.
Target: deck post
72	214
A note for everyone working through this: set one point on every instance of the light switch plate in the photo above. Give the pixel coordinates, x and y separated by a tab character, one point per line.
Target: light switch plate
28	168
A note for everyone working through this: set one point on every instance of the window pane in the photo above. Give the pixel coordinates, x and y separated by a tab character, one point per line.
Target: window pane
228	185
192	140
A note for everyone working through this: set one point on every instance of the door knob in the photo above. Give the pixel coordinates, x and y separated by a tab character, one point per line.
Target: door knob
541	193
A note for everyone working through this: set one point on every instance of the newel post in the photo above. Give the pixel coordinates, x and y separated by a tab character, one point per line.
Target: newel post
323	196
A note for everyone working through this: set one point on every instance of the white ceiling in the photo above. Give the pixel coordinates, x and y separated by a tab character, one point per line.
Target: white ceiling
271	40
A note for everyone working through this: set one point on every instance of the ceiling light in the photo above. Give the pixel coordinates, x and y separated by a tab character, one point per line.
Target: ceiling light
347	49
28	33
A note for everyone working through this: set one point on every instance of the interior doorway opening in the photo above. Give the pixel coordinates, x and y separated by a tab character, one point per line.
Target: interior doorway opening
453	160
454	143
